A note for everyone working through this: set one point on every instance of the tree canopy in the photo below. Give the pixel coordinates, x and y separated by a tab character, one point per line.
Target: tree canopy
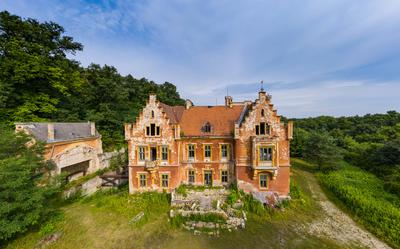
38	82
22	198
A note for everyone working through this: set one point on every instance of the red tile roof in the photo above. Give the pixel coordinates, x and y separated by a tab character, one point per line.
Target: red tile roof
222	120
174	113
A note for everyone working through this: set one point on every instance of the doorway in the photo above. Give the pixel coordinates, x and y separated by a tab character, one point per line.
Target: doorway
153	153
207	178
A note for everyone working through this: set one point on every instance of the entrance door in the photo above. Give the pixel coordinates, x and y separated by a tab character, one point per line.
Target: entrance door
153	153
208	178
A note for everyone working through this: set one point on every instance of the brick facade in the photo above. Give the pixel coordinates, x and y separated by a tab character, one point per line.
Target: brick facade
242	143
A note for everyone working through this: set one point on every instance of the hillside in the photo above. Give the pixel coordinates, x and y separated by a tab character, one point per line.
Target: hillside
310	221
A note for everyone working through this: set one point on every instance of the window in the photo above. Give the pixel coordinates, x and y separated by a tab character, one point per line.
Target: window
191	176
207	127
164	180
142	151
262	112
152	114
262	129
153	153
224	151
152	130
142	180
164	153
191	151
224	176
207	151
263	181
265	153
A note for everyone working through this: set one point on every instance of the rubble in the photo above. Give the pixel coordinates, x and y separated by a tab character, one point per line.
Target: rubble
199	203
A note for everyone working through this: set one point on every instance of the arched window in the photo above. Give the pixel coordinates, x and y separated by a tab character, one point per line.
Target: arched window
207	127
262	112
152	114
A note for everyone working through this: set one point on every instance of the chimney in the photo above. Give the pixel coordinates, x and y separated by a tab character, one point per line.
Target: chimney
92	128
228	101
188	104
50	131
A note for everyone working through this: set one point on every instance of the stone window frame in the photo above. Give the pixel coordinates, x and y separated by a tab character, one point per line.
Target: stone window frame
164	153
191	159
144	153
267	131
261	181
269	147
157	130
228	151
194	176
139	177
207	158
222	176
162	174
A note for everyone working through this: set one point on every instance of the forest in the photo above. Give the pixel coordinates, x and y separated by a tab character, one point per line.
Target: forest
40	82
371	142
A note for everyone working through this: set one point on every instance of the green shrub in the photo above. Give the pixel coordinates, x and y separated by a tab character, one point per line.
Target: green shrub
364	195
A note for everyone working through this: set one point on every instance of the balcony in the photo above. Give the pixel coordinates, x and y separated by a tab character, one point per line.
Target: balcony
264	165
151	165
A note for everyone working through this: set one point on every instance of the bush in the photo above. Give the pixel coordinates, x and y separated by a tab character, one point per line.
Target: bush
364	195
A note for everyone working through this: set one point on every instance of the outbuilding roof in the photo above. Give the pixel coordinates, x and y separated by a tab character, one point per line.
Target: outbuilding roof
62	131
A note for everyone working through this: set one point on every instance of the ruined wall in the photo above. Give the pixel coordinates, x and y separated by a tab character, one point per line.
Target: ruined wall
67	153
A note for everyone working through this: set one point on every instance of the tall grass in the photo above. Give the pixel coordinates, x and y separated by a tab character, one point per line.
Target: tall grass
364	195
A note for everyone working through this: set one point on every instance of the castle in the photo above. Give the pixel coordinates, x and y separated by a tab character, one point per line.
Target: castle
243	143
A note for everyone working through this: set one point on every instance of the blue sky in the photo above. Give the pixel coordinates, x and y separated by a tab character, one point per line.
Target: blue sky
328	57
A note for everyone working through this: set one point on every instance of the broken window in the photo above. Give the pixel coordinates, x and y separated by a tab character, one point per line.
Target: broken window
152	130
263	181
207	127
164	180
207	151
262	129
191	176
142	180
164	153
224	176
265	153
142	151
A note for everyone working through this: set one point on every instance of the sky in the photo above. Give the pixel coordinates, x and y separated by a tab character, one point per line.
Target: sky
330	57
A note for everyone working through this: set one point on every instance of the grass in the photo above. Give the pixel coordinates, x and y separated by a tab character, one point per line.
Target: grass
104	221
362	194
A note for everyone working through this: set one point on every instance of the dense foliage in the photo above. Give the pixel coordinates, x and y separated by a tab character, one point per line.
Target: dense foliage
38	82
364	194
371	142
22	190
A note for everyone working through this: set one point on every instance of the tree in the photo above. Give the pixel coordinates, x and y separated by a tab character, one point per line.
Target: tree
300	137
35	74
22	198
320	148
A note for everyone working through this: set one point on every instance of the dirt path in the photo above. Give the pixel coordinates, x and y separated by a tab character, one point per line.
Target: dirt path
336	224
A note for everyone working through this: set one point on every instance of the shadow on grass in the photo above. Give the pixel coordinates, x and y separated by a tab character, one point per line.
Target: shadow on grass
303	165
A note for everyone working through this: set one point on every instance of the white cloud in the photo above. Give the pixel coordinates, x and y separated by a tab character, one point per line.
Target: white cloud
203	46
